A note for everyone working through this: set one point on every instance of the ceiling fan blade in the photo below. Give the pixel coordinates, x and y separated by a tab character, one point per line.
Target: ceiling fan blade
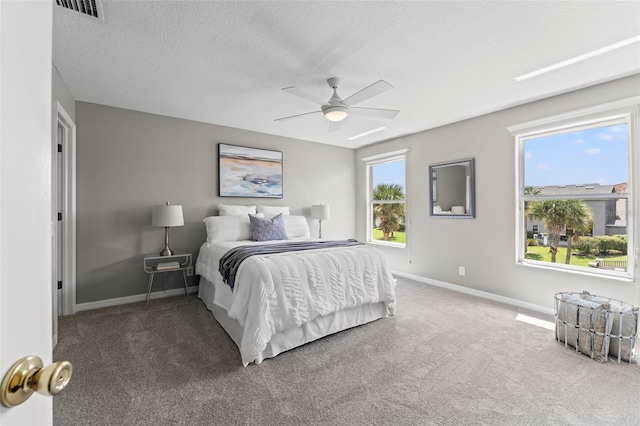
374	112
304	95
291	117
375	89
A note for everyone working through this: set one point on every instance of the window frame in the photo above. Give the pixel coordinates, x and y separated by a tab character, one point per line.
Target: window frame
370	162
618	112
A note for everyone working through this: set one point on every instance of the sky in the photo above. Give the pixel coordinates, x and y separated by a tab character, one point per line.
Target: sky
389	173
597	155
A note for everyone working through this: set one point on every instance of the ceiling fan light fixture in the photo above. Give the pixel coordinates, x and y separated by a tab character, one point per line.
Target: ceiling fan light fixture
336	109
335	112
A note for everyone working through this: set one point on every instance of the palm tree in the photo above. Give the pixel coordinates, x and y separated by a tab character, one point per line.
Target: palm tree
574	215
578	221
528	190
388	216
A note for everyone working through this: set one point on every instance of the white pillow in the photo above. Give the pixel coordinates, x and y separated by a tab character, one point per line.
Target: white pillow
235	210
272	211
296	226
228	228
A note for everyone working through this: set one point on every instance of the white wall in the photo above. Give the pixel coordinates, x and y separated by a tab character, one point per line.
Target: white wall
486	245
129	161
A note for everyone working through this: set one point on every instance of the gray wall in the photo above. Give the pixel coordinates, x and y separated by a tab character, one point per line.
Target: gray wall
129	161
485	245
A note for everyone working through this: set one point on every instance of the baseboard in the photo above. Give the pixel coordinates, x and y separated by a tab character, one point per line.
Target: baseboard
478	293
133	299
192	289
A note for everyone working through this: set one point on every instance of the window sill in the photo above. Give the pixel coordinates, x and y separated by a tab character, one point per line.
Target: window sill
386	243
590	272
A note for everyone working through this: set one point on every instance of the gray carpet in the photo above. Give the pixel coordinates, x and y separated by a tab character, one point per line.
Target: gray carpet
444	359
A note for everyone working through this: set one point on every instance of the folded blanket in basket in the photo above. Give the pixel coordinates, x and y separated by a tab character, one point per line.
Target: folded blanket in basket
624	326
584	324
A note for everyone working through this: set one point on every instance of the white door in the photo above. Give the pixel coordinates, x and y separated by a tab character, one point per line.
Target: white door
26	216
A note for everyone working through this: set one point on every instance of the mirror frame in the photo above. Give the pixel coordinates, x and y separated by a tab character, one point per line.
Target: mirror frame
471	214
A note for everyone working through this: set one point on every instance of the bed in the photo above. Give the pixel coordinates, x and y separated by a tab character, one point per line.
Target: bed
281	300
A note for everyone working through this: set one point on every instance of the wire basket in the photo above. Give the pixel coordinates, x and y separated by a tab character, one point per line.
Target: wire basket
601	327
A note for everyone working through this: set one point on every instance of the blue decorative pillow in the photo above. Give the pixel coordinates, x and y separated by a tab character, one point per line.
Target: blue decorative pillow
263	229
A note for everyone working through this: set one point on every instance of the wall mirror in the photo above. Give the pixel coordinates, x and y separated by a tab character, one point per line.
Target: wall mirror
452	187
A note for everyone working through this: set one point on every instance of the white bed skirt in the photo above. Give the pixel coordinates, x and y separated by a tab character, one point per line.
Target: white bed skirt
291	338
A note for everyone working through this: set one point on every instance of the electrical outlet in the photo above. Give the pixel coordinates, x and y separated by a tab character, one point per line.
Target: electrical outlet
189	272
461	271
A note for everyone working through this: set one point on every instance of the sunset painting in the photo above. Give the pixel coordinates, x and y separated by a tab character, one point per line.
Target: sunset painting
249	172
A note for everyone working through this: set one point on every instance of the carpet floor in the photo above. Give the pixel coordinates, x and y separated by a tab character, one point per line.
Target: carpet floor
445	359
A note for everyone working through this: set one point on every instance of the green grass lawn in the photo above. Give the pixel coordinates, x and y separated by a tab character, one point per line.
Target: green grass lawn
398	236
541	253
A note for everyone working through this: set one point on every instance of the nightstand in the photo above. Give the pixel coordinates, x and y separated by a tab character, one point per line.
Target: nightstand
154	264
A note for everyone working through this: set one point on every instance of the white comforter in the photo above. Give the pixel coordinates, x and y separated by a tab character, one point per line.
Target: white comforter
280	291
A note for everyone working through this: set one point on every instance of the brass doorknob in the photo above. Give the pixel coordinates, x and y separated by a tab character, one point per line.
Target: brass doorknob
27	375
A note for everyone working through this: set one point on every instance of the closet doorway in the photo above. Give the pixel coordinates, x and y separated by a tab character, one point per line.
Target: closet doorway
64	212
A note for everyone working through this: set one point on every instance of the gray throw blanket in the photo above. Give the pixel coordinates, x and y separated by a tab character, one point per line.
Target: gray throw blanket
230	262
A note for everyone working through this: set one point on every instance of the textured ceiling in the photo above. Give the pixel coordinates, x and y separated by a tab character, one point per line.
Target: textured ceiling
224	62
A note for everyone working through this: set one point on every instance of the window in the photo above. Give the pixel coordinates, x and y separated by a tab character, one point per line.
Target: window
386	206
575	188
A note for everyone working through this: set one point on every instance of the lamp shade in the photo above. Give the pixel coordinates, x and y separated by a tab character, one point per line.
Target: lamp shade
320	212
167	215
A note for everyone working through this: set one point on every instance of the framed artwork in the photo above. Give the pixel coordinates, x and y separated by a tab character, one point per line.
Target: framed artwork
249	172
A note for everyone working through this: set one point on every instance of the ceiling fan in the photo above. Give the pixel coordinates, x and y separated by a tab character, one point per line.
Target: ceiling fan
337	109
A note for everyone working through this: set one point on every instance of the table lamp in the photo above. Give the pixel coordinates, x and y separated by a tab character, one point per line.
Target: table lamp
320	212
167	216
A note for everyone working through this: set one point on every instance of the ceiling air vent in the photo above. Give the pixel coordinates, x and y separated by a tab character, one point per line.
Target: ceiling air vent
86	7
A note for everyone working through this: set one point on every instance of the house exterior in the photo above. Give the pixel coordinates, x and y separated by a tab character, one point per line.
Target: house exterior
609	215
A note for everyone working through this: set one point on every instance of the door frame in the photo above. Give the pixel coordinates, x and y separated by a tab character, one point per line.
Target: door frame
68	213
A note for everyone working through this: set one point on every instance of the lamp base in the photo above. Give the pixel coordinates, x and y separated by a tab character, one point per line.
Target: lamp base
166	251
